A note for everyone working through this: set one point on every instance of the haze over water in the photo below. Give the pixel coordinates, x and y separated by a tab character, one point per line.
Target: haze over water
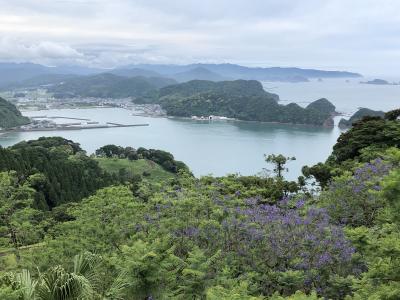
346	96
220	147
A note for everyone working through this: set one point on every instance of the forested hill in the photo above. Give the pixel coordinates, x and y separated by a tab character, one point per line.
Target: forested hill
322	105
109	86
240	99
10	116
236	87
61	172
358	115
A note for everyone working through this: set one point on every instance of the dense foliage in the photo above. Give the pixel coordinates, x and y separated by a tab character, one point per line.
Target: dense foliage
10	116
61	172
233	237
367	139
237	87
163	158
58	169
373	132
193	87
240	99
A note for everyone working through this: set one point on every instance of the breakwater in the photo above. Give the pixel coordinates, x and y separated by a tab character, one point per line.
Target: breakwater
59	128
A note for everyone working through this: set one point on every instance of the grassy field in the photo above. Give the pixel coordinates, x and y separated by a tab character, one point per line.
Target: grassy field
136	167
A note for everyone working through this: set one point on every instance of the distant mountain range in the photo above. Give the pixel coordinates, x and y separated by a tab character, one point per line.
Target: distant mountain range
232	71
13	73
27	74
134	72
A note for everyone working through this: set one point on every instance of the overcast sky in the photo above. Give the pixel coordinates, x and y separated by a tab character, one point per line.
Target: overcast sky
355	35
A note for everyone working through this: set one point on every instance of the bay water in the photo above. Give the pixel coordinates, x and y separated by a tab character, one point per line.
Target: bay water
223	147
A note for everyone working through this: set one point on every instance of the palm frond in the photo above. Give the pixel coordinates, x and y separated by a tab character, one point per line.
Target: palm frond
57	284
118	288
87	265
27	284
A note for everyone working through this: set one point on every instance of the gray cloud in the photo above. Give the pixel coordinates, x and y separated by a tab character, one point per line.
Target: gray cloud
11	48
360	35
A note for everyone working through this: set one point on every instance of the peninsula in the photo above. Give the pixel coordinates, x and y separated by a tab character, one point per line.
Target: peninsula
240	99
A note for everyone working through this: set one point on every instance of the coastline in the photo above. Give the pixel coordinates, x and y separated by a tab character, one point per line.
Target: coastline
245	121
336	114
214	120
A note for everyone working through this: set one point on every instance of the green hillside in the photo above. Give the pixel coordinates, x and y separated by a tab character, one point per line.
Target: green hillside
142	167
322	105
236	87
10	116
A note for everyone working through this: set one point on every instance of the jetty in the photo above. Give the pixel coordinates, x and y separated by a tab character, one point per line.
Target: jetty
59	117
61	128
115	124
69	118
83	127
47	125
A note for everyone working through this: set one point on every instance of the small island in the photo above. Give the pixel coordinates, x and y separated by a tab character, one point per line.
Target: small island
379	82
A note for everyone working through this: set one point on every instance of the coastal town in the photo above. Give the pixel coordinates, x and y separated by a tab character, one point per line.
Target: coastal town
40	100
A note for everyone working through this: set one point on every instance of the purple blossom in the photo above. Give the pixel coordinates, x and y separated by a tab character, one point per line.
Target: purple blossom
355	198
300	203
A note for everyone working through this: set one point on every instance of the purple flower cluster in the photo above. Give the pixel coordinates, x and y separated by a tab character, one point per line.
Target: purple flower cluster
303	241
368	171
284	237
354	200
257	237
